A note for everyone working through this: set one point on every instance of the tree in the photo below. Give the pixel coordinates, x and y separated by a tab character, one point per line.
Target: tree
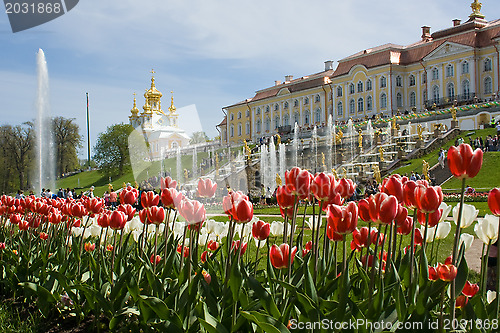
18	148
111	150
198	137
67	139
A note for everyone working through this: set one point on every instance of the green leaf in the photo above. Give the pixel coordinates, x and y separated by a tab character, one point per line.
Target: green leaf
312	312
462	275
235	280
265	299
267	323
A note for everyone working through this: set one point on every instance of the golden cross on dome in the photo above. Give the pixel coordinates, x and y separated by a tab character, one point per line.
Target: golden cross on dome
152	72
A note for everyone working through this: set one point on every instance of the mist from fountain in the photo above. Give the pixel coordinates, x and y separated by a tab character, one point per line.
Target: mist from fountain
282	160
295	145
195	163
314	147
263	165
334	144
178	165
329	142
45	157
350	135
370	131
273	165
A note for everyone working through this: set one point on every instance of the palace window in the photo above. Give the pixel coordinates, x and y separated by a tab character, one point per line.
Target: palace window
435	74
296	119
466	89
286	121
435	94
276	122
424	77
360	104
413	99
247	127
231	117
258	110
412	80
239	115
352	107
487	64
360	86
248	113
383	101
286	105
259	126
340	109
317	116
231	130
450	88
351	88
369	103
295	103
368	85
465	67
267	108
488	85
399	81
449	70
307	118
424	95
239	129
268	124
306	100
317	98
399	100
383	82
276	107
339	91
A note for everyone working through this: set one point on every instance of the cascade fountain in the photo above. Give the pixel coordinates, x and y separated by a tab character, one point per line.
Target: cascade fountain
195	163
314	147
334	144
273	165
350	135
282	159
370	132
330	143
295	145
179	165
263	165
45	171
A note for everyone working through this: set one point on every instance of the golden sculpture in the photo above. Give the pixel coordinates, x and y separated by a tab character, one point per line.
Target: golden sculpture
278	139
344	171
323	160
217	165
136	185
420	130
453	112
476	10
393	123
124	185
247	149
381	151
110	187
334	172
376	173
338	137
425	170
278	180
360	139
186	175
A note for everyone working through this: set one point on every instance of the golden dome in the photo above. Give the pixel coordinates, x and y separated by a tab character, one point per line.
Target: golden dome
134	110
152	92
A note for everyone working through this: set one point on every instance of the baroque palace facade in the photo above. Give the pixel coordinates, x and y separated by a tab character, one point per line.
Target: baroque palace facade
456	65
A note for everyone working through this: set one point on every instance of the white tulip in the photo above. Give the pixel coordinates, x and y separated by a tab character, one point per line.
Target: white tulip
210	225
469	214
467	240
202	239
136	234
486	229
95	230
491	296
309	223
221	229
76	231
430	233
134	224
443	229
277	228
446	211
178	229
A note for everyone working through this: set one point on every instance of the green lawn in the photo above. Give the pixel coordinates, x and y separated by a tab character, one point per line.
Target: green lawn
486	179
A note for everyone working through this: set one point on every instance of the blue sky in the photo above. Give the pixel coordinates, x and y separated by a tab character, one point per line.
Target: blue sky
211	53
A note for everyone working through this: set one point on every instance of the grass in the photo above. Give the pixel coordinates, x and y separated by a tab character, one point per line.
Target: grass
13	320
487	178
432	157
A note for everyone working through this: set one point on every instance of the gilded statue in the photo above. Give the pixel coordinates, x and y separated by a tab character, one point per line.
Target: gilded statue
278	139
247	149
425	169
323	159
376	173
334	172
393	123
381	151
344	171
420	130
360	139
278	180
453	112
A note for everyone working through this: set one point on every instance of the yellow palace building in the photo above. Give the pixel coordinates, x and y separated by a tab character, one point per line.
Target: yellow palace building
454	66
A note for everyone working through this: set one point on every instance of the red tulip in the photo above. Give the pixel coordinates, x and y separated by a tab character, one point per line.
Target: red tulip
167	182
206	188
405	227
212	245
171	198
284	196
206	276
78	210
419	238
44	235
364	210
300	181
463	162
239	245
279	255
194	213
286	212
129	195
55	218
109	247
156	215
433	217
307	248
103	220
332	234
203	257
433	275
2	246
494	201
89	247
409	194
94	205
361	238
128	210
261	230
429	198
470	289
393	186
383	208
447	272
149	199
346	187
321	186
143	216
117	220
343	219
155	259
23	225
461	301
401	215
15	218
184	250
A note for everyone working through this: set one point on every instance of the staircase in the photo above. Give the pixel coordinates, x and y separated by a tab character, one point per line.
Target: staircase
440	174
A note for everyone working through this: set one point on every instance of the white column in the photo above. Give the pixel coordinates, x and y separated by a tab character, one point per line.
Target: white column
472	71
418	82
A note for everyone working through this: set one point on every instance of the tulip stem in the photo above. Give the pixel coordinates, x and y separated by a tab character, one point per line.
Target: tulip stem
367	245
335	259
301	236
381	262
156	245
424	242
344	254
316	245
455	249
485	273
256	258
113	258
389	245
372	279
412	246
481	286
433	241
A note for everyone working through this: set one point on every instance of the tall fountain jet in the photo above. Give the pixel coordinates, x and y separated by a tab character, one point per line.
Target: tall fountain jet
45	157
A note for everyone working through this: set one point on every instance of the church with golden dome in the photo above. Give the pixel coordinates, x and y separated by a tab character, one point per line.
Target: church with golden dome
160	129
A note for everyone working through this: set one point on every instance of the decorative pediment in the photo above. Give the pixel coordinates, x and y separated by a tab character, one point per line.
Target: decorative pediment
446	49
283	91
